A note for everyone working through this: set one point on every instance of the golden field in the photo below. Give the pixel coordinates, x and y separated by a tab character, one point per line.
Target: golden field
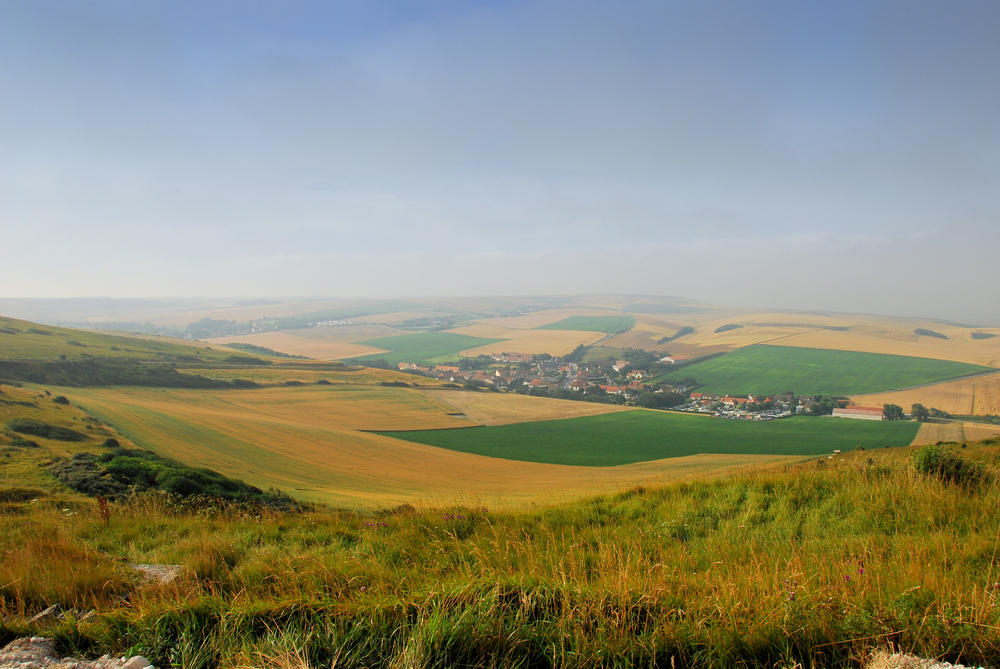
324	343
869	338
975	396
508	408
307	442
553	342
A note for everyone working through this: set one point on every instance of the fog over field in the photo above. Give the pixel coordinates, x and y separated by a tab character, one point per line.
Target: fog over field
781	155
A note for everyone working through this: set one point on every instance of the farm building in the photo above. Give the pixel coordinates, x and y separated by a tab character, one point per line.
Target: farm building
860	413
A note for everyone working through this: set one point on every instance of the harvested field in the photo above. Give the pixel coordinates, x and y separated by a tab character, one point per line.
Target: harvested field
427	347
332	343
977	396
960	346
507	408
931	433
302	442
606	324
539	318
979	431
553	342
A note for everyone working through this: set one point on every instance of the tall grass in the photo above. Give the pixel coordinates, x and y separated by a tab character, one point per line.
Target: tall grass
818	565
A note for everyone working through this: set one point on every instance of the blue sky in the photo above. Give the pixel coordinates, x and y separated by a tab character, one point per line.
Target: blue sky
838	155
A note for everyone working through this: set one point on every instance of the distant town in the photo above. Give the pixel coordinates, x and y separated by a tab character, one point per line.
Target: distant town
644	380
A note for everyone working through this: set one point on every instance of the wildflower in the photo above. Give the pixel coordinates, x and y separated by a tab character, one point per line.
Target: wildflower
847	578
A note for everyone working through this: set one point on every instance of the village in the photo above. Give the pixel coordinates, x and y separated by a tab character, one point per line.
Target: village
621	382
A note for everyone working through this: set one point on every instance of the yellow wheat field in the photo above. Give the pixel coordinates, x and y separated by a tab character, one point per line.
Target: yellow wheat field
979	396
507	408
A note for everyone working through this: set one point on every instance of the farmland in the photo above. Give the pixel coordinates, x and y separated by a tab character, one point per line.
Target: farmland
637	436
306	440
21	340
333	343
553	342
976	396
775	369
505	408
424	347
605	324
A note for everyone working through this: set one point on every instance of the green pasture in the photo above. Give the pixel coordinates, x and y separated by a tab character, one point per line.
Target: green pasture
809	371
605	324
21	340
639	436
424	347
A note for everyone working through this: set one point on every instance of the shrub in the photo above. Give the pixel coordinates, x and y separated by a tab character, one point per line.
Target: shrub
60	399
941	463
111	443
40	429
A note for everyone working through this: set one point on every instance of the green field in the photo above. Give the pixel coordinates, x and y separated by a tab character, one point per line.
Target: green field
811	371
23	340
424	347
640	436
605	324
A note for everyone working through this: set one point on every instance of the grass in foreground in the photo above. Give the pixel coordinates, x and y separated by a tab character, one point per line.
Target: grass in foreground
605	324
817	565
810	371
640	436
424	347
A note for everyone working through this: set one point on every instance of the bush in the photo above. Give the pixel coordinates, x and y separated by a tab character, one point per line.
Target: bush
111	443
40	429
60	399
947	466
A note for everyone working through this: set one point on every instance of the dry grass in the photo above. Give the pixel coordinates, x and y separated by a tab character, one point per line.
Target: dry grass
509	408
978	396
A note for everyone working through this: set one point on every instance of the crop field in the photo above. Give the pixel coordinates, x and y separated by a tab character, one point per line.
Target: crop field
505	408
605	324
895	339
775	369
641	436
425	347
322	343
306	441
976	396
553	342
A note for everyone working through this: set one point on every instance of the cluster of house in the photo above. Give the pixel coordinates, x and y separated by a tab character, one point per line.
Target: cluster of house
726	406
552	374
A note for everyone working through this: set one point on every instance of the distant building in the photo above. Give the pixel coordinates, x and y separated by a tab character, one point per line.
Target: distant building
860	413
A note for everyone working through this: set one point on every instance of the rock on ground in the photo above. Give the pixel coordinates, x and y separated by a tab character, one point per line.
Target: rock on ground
40	653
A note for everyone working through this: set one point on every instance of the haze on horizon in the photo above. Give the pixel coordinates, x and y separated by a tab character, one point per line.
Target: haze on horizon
841	156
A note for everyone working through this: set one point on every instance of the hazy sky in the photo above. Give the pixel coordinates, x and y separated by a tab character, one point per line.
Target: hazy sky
834	155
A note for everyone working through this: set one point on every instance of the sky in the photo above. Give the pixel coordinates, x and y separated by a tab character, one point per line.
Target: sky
794	155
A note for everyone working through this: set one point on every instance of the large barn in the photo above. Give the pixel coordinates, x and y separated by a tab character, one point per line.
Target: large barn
860	413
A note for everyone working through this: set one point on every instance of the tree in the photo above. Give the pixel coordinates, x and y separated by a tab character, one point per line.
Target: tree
919	413
892	411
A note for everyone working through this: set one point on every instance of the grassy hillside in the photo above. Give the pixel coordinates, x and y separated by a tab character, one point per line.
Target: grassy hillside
806	371
605	324
424	347
818	565
22	340
638	436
